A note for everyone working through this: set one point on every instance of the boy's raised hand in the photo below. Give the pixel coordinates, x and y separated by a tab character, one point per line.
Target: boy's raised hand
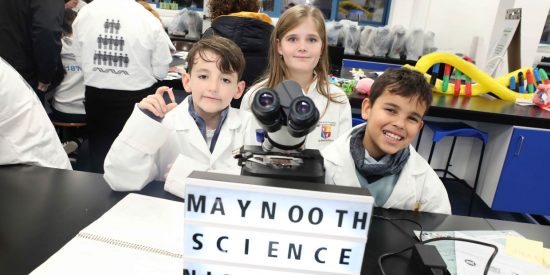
155	103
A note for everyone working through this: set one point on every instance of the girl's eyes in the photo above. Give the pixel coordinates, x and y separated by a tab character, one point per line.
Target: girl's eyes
311	39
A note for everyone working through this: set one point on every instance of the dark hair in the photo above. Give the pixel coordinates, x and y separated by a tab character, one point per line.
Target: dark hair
404	82
68	19
218	8
230	59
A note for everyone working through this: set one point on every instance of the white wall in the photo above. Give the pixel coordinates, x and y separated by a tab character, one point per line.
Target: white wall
401	12
457	23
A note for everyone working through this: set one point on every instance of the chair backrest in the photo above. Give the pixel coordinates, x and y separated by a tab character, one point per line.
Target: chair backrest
356	121
68	124
455	129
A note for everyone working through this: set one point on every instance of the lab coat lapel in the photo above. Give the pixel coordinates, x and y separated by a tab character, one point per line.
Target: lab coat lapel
404	191
344	174
227	134
405	188
186	124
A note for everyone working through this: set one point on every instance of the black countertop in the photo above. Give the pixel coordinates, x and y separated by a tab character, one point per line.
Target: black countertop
478	108
41	209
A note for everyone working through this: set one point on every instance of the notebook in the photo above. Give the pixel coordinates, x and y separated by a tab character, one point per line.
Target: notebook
139	235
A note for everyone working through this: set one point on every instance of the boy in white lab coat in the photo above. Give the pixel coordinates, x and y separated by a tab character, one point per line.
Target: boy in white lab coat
165	139
380	157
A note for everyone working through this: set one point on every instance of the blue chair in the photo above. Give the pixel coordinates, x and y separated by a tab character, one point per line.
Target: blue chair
455	129
356	121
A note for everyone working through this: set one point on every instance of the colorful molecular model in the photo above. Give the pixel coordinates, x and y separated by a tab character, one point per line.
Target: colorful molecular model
468	80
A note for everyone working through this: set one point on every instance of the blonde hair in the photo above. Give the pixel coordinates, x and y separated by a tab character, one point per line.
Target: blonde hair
277	69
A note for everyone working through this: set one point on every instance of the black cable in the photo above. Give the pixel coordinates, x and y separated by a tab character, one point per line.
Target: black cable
391	220
487	265
381	258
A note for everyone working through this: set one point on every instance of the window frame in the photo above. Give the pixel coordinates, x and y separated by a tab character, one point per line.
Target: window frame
278	5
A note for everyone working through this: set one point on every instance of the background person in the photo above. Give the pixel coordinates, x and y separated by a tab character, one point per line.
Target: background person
31	41
122	50
68	97
241	22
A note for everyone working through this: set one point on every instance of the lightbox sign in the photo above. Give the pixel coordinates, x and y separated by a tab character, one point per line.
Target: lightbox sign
276	227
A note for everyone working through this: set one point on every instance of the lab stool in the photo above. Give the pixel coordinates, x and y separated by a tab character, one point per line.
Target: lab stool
455	129
65	131
63	127
356	121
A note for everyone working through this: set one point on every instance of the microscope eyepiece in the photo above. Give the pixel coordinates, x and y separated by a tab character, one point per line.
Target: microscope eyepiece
266	108
286	114
303	116
266	99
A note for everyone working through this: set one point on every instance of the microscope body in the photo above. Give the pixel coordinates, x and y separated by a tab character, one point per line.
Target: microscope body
286	116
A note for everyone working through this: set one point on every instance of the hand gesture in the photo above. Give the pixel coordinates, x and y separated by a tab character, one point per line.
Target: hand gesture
71	4
43	87
155	103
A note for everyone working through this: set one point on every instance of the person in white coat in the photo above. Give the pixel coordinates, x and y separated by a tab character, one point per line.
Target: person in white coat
201	133
379	155
299	52
122	50
26	134
68	99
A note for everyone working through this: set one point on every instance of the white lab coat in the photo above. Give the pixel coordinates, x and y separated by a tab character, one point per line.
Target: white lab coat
131	35
418	182
69	95
26	133
145	148
332	123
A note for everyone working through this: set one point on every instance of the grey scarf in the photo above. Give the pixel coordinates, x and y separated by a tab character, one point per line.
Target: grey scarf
374	171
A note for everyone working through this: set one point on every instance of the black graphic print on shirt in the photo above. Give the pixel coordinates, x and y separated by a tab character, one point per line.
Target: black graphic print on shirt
110	49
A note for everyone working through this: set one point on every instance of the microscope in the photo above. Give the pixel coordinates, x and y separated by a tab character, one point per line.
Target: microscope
286	116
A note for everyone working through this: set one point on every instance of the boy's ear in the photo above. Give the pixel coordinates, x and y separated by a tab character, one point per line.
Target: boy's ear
186	81
240	89
421	124
365	108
